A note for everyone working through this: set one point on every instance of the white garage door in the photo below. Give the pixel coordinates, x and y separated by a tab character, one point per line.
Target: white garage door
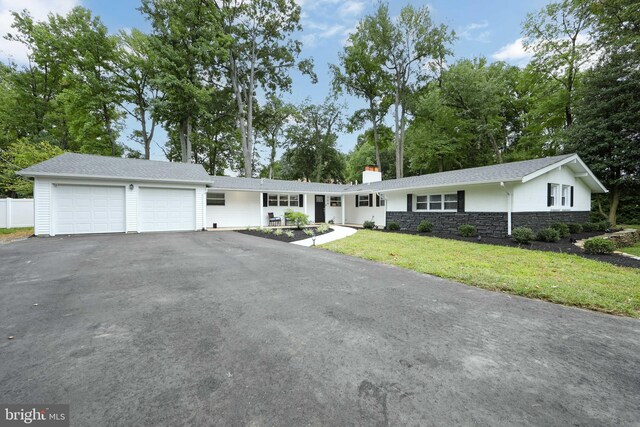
80	209
167	209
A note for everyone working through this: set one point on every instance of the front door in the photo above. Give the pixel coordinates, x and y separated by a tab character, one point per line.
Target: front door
320	209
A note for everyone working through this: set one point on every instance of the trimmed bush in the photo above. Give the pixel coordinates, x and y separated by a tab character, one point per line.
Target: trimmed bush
393	226
562	228
599	245
575	228
323	228
309	232
522	235
278	232
369	225
289	234
603	225
425	226
548	235
299	219
467	230
589	227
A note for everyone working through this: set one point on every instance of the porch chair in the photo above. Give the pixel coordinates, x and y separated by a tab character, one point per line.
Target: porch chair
274	220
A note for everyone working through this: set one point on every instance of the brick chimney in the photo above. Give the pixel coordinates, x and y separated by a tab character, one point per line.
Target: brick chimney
371	174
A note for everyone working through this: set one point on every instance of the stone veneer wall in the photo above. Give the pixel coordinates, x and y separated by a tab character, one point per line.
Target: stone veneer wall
487	223
492	224
538	220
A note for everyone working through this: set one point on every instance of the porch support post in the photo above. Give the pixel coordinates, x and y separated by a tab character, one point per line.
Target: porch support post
342	207
261	210
305	202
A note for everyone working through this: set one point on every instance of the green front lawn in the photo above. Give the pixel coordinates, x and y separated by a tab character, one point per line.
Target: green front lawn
560	278
11	234
16	230
633	250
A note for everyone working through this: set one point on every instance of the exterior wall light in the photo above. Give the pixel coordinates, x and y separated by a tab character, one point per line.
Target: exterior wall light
130	186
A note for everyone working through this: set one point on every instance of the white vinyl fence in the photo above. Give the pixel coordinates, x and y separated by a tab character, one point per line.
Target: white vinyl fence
16	213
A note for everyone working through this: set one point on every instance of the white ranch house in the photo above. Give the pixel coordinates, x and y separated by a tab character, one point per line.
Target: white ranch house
78	193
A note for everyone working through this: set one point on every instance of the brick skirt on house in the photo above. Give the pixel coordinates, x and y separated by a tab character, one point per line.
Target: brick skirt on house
492	224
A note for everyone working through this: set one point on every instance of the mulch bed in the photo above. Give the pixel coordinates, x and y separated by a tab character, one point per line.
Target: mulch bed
564	246
297	234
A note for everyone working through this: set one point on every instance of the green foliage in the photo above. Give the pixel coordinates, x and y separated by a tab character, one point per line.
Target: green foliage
393	226
369	225
20	155
575	228
323	228
266	230
364	154
467	230
562	228
425	226
523	235
590	227
548	235
299	219
603	225
599	245
277	232
309	232
290	234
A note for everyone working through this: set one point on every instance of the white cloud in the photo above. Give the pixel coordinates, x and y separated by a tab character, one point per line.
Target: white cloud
39	9
472	32
513	52
351	9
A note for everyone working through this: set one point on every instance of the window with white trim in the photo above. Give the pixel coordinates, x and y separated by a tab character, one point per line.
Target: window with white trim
283	200
335	201
294	200
553	197
437	202
564	201
215	199
273	200
363	200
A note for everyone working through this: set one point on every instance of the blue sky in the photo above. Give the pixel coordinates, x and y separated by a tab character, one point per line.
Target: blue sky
490	28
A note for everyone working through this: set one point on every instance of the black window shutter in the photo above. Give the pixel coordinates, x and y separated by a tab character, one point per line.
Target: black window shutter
357	196
370	200
264	199
549	202
461	201
301	200
572	196
409	202
377	200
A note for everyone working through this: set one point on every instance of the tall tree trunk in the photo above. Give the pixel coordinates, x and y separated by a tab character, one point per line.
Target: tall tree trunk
615	202
189	148
272	158
396	118
403	125
182	134
376	137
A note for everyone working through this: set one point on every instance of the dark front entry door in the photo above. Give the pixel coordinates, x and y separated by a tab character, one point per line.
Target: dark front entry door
320	209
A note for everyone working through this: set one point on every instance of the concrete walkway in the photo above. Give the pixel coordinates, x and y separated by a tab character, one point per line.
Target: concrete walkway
338	233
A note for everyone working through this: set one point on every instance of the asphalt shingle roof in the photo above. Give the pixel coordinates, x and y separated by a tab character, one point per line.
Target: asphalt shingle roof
275	185
513	171
91	166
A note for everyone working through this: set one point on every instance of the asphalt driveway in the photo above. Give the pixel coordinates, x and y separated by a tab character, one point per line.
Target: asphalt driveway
230	329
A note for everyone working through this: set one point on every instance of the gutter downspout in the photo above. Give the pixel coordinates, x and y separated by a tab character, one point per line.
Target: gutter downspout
504	188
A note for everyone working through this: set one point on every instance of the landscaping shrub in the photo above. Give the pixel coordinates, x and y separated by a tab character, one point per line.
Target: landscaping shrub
267	230
393	226
599	245
522	235
603	225
548	235
309	232
298	219
562	228
467	230
289	234
277	232
323	228
369	225
589	227
575	227
425	226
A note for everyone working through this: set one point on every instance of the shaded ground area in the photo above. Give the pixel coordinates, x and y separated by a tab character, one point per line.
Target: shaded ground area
12	234
563	246
226	329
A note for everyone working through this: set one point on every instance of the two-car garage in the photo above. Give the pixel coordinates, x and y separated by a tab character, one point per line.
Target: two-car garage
115	195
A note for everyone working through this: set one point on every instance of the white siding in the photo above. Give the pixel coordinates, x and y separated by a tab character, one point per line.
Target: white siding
532	196
43	196
360	214
241	209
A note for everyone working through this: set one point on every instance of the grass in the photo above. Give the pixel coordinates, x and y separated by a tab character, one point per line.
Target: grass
635	226
559	278
633	250
9	234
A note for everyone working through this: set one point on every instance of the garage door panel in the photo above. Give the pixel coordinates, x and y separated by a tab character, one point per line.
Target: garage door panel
81	209
167	209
